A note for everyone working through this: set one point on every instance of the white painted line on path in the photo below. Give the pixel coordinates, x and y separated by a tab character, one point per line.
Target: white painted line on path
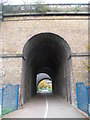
46	111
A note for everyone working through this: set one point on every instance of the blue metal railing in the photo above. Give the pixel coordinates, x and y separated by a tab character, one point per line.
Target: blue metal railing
9	98
88	94
83	97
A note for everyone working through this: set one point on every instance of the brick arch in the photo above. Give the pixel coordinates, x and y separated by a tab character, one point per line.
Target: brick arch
49	53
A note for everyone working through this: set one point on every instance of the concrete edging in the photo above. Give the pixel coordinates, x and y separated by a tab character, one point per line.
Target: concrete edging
83	113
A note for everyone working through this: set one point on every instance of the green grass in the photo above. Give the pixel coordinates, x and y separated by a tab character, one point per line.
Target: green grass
5	111
50	89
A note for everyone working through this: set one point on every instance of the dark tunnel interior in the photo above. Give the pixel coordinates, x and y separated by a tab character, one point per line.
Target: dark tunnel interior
46	53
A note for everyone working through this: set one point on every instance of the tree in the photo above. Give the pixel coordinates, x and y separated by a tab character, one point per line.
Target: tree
77	8
39	1
87	64
3	1
42	84
50	85
56	8
24	1
40	6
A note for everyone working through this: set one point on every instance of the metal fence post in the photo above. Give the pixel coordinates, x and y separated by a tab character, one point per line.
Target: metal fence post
2	102
77	94
17	96
87	87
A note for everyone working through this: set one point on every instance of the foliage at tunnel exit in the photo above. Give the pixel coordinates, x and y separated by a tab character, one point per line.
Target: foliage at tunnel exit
44	85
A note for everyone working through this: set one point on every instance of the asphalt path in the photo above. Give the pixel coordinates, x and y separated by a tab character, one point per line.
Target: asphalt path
46	106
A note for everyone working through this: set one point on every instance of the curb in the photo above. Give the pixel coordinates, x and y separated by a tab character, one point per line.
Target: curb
83	113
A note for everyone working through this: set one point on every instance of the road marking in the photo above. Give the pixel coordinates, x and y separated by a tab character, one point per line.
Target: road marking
45	116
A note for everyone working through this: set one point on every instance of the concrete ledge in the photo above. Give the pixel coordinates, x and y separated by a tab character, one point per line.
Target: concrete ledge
80	54
83	113
11	56
20	55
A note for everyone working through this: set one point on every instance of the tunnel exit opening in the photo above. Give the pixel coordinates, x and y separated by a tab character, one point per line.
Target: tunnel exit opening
44	86
50	54
43	83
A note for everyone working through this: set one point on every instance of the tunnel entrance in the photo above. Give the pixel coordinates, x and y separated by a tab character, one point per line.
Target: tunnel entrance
46	53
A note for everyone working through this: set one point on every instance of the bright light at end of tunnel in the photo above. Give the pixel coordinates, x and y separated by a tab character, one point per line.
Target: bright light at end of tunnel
45	86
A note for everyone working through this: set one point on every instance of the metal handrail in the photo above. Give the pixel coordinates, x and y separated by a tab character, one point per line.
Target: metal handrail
45	8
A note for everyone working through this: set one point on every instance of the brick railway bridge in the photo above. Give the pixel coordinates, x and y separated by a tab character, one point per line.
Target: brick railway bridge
54	44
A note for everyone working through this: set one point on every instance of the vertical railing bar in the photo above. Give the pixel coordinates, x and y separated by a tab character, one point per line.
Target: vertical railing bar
2	101
88	100
17	96
77	94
